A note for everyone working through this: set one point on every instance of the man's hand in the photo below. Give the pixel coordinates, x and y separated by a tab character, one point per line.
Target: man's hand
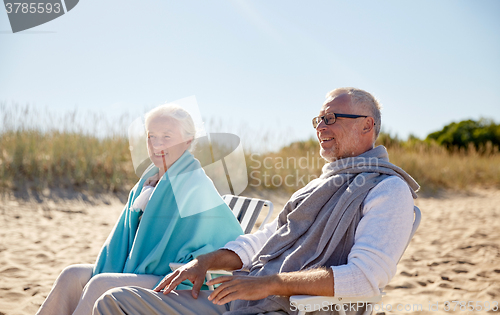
242	288
311	282
196	270
193	271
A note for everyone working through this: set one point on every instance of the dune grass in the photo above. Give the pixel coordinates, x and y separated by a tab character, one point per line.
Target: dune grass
435	167
432	166
89	155
40	150
38	160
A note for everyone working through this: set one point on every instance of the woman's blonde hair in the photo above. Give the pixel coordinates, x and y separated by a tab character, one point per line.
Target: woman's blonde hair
176	112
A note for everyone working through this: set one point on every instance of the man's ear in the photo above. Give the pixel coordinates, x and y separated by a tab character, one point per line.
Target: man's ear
368	124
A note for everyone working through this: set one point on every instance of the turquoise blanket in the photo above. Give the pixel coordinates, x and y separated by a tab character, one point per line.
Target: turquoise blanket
184	218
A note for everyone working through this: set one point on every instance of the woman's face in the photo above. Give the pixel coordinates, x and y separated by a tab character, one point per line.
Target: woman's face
165	142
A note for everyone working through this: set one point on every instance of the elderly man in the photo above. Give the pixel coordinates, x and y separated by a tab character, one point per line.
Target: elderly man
342	234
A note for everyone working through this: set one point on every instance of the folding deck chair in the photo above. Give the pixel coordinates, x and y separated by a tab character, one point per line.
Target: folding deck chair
246	210
311	303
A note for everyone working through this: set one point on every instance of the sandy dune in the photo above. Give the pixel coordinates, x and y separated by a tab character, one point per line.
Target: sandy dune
455	254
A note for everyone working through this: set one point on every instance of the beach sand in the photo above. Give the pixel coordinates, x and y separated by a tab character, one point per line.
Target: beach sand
454	256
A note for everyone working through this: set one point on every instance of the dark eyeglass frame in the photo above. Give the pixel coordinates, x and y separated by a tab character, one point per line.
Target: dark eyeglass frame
331	120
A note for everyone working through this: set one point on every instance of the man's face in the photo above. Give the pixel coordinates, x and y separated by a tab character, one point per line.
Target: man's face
165	141
341	139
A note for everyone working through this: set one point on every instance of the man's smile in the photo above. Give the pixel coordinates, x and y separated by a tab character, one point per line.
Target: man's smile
326	139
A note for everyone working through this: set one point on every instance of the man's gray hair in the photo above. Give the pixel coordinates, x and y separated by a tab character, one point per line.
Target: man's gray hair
176	112
366	101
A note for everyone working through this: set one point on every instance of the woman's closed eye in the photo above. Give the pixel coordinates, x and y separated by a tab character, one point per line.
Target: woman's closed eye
154	137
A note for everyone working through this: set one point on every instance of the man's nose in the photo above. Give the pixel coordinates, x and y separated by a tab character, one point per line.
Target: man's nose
321	125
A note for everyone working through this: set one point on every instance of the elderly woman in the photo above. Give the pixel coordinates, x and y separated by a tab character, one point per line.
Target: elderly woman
173	214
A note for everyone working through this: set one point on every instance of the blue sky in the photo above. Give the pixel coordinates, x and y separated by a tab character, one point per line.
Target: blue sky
262	65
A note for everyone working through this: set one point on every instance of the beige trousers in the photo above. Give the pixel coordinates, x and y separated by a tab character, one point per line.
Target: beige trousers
140	301
75	290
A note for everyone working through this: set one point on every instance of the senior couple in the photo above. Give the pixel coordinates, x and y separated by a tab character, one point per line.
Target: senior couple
340	235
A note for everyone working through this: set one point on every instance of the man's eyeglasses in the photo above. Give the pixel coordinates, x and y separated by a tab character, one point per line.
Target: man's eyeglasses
330	118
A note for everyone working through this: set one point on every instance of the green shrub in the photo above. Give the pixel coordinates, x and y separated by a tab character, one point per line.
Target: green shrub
484	134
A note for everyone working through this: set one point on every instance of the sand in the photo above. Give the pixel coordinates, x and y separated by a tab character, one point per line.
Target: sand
454	256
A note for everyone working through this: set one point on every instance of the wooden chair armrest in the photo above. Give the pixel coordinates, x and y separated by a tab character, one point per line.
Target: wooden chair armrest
311	303
175	266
